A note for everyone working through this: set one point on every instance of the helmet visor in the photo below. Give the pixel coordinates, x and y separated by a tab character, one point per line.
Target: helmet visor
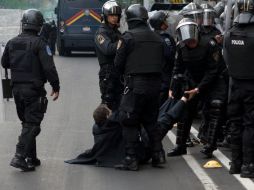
187	32
116	10
197	17
208	18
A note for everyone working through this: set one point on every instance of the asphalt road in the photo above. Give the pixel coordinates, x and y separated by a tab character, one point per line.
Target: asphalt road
66	132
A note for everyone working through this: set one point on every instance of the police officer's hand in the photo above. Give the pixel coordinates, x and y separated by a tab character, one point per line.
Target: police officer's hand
192	93
55	95
170	94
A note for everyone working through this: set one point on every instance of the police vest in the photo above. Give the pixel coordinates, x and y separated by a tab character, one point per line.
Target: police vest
195	59
24	63
239	56
147	53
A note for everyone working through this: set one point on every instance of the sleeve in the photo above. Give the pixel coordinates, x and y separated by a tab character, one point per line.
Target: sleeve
179	67
104	43
123	49
212	62
48	65
5	57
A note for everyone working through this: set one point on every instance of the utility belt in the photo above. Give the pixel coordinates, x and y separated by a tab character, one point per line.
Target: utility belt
130	79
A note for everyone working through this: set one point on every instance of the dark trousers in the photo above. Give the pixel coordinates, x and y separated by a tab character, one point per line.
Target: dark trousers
111	90
31	105
211	115
139	106
241	119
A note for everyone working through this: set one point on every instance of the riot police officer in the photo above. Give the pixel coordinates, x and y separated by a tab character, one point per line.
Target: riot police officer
238	45
32	65
158	21
208	29
52	37
106	39
140	57
193	11
198	60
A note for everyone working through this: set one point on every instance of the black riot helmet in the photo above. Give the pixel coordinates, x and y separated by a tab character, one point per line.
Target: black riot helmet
136	12
245	6
157	19
219	8
111	8
32	20
187	29
193	11
208	14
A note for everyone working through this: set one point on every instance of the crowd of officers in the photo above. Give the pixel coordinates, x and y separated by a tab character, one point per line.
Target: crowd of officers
143	67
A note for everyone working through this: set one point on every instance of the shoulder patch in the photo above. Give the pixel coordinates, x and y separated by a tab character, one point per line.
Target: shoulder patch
119	44
48	50
100	39
212	43
168	42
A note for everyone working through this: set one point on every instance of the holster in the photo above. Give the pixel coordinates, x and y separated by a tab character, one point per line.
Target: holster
43	104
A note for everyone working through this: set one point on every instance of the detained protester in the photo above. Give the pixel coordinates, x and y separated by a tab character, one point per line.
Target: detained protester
109	147
32	65
238	46
106	39
198	60
158	21
140	59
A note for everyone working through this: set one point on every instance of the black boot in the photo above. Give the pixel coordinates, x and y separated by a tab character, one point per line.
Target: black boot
208	151
177	151
181	138
129	163
247	171
189	142
19	162
237	159
33	162
158	158
32	158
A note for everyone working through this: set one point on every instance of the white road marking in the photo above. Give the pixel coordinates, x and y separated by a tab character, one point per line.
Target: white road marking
246	182
207	182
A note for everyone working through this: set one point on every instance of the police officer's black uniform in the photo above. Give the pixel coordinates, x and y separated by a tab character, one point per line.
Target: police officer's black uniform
200	65
52	37
239	43
32	65
156	21
139	58
106	39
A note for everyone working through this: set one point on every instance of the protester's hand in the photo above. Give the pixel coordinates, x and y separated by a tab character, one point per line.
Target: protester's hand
170	94
184	99
55	95
192	93
219	39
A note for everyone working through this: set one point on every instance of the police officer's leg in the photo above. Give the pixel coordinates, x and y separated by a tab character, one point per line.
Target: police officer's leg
235	115
35	114
215	112
183	128
34	102
149	121
248	134
129	110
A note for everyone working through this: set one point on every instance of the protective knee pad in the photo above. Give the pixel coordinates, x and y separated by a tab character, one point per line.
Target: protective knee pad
35	131
216	108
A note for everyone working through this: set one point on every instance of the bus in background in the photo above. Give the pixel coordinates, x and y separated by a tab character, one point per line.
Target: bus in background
77	22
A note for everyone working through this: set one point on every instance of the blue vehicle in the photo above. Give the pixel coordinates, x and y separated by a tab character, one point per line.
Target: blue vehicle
77	22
